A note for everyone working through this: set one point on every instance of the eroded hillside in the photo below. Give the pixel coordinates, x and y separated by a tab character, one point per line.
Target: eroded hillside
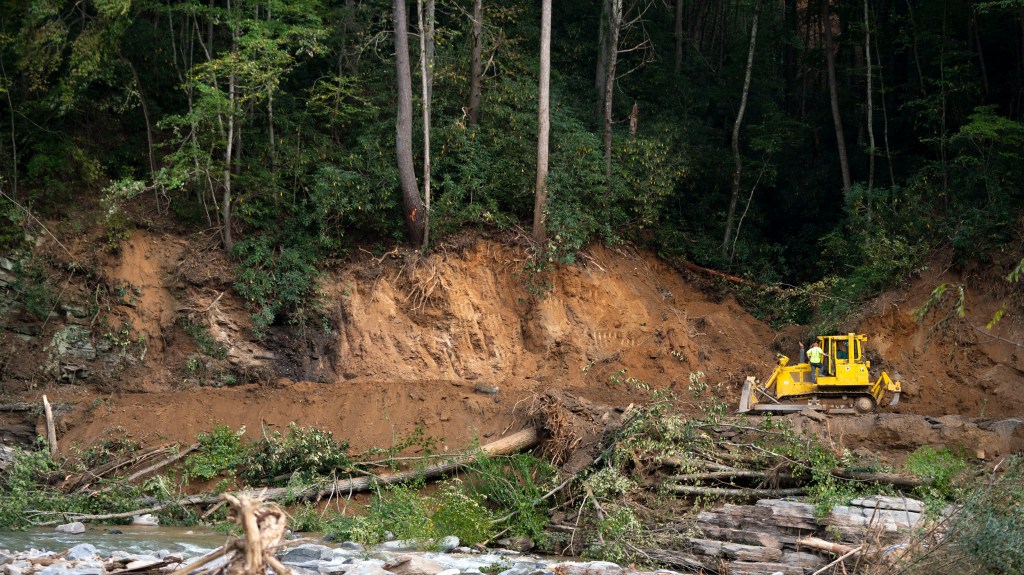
156	346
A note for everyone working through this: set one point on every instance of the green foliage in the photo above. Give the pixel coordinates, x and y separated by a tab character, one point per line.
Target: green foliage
25	492
220	453
944	468
307	453
462	515
114	198
277	280
205	341
34	287
401	511
512	487
621	537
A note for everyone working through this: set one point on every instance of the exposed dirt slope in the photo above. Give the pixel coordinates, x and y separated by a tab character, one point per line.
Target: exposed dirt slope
459	343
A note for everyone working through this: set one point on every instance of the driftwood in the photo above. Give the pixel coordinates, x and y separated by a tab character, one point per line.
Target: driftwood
822	545
886	478
51	431
729	474
263	526
15	407
162	464
737	492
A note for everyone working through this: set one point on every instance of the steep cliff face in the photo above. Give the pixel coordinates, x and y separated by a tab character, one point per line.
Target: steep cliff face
153	343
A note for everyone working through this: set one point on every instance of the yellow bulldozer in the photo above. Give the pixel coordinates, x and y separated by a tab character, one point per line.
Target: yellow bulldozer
843	386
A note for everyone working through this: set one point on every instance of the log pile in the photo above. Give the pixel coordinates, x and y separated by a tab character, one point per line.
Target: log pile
784	536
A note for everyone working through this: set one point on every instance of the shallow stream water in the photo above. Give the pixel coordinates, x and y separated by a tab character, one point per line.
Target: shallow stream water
135	539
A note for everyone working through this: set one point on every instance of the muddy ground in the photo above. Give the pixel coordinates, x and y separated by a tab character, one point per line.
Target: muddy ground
459	344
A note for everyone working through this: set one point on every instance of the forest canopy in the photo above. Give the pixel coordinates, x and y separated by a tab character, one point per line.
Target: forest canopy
798	141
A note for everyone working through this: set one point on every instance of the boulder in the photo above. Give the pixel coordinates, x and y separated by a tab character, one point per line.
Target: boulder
366	568
305	553
81	552
73	528
146	519
447	544
413	565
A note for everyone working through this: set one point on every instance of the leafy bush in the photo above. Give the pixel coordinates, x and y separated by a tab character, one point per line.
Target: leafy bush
512	487
462	515
942	467
204	339
220	453
308	452
277	280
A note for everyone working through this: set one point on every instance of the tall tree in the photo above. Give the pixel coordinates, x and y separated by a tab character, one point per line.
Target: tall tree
678	33
614	23
411	201
426	30
869	98
543	126
833	92
476	62
737	173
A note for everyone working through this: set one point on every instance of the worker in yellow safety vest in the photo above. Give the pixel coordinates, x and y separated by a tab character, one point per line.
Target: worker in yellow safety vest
814	357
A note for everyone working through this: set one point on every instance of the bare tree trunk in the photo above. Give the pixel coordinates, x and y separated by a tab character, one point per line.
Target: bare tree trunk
226	197
411	201
601	72
789	54
844	163
145	115
614	23
870	103
736	156
679	37
543	126
885	119
475	62
426	26
973	25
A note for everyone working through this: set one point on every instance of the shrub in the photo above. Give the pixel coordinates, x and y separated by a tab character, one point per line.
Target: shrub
307	452
278	280
220	453
460	514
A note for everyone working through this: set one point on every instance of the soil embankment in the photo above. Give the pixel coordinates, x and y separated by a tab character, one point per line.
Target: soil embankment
458	343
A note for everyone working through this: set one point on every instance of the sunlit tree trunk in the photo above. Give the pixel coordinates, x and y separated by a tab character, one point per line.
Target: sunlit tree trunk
426	29
543	126
737	172
833	91
614	24
476	62
411	201
601	71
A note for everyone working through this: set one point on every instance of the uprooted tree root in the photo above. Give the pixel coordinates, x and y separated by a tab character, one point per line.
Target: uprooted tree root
264	526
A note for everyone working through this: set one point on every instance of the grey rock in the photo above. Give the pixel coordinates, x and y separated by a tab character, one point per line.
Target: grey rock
81	551
366	568
399	545
351	546
413	565
73	528
467	550
12	569
450	572
6	558
521	543
146	519
486	388
446	544
517	570
333	568
306	553
887	502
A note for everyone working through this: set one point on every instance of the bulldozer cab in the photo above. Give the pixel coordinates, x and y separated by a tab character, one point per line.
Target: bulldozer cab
844	352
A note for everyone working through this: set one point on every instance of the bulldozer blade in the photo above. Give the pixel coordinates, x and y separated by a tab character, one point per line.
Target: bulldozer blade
745	397
895	399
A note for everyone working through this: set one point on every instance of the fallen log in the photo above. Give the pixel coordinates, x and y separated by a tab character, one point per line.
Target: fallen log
737	492
886	478
504	446
731	474
822	545
162	464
